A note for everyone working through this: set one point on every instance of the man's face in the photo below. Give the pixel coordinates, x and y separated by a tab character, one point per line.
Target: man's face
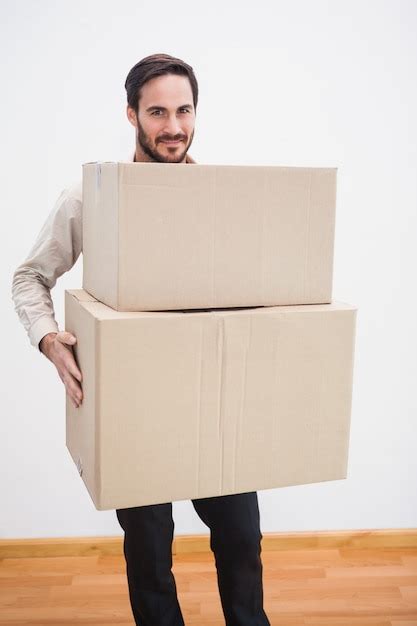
166	118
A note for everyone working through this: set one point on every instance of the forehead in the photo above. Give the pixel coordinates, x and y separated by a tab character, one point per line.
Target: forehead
166	90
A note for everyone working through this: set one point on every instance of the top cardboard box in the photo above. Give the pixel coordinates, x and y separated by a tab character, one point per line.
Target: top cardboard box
159	236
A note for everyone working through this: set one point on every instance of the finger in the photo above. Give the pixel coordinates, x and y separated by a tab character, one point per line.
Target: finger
73	387
71	398
75	402
66	360
72	368
66	337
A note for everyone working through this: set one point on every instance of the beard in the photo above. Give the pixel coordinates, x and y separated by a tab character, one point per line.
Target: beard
151	151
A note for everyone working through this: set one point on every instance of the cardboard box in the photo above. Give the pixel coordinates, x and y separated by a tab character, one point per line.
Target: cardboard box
183	405
163	236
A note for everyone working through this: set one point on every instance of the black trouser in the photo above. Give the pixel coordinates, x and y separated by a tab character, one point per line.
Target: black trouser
235	540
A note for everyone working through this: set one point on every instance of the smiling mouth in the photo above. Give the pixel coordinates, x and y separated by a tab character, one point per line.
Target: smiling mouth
170	141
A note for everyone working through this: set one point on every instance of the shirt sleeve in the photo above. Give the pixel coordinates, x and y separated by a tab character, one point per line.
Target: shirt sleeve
54	252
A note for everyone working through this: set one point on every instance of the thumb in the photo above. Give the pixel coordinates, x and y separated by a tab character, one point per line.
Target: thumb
66	337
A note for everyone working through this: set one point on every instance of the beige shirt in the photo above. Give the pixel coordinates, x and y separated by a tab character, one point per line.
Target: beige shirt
54	252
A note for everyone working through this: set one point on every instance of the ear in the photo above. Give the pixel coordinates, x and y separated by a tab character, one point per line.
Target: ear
131	116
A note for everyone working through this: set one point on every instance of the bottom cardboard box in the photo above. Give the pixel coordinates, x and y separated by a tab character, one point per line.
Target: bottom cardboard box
193	404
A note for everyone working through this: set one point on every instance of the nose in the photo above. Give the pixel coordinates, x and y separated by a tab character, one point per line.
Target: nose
172	127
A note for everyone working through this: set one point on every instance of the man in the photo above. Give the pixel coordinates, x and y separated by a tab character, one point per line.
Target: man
162	94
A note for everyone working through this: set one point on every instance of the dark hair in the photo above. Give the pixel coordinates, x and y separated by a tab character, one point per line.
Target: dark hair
157	65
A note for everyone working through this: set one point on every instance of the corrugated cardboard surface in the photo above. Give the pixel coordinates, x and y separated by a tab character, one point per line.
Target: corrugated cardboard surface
159	236
183	405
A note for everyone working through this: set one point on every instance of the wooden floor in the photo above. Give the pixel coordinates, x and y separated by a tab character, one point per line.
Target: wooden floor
304	587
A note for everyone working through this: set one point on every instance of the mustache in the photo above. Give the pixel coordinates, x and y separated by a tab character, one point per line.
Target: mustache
174	138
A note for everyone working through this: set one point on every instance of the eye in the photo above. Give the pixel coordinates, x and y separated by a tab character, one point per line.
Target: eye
156	111
185	110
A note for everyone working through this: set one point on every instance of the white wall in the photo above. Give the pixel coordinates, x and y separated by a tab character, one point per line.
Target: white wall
326	83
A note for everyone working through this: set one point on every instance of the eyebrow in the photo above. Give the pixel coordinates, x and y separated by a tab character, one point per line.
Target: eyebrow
183	106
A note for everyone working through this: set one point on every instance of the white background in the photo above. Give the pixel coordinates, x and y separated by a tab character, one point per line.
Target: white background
323	83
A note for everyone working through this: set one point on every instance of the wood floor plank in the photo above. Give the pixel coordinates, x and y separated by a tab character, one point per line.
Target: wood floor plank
332	586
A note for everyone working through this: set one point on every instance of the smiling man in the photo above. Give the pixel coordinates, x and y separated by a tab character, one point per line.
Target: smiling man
164	133
162	95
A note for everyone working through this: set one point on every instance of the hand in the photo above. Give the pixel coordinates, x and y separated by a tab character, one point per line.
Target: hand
57	347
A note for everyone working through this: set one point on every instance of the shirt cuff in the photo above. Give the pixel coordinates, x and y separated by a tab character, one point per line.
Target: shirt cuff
40	328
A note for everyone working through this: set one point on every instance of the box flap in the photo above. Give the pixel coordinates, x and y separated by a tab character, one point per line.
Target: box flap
81	295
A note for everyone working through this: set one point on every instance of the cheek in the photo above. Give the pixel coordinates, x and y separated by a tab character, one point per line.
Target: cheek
189	126
149	127
155	129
